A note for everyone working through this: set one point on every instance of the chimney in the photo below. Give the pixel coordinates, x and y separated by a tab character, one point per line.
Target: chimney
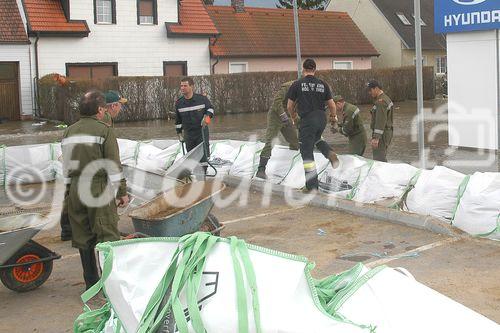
238	5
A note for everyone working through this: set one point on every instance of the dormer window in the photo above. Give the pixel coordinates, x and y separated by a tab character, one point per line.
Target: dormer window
402	17
104	11
147	12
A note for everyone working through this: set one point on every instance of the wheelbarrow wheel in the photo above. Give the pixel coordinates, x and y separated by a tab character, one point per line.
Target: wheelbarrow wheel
212	225
29	277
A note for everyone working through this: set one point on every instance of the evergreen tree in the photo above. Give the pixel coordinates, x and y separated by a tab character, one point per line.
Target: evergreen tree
208	2
303	4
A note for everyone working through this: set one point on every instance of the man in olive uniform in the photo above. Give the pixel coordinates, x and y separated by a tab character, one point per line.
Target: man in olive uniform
382	120
351	126
278	120
91	164
306	99
114	104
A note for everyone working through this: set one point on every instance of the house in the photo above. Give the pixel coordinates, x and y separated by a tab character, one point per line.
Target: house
390	26
262	39
15	70
92	39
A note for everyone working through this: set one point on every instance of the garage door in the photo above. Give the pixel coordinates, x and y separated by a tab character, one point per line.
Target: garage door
9	91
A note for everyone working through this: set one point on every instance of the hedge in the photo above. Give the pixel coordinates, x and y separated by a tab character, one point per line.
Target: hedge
154	97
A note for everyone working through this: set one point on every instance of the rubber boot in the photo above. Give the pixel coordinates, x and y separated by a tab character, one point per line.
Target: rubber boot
261	171
89	265
66	234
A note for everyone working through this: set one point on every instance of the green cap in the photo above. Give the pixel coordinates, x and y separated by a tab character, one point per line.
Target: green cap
113	96
338	98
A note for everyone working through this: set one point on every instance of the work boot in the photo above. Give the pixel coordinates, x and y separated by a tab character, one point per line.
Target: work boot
89	265
66	234
334	160
261	171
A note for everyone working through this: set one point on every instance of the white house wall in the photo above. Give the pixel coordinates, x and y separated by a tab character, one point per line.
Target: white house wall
473	87
139	50
376	29
20	54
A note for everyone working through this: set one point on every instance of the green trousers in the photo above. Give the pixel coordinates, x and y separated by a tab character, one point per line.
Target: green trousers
274	127
380	153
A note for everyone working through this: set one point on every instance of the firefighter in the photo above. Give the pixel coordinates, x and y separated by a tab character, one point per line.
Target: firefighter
309	95
352	126
382	120
91	164
194	113
278	120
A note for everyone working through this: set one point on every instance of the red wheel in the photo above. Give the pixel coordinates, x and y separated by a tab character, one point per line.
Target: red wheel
28	277
28	273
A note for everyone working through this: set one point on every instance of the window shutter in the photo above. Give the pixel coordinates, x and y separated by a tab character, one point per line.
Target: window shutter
146	8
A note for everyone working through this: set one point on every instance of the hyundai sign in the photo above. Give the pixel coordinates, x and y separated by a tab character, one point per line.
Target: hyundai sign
466	15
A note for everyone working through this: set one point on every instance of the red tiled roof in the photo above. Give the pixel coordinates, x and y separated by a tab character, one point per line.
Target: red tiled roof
270	32
47	16
11	24
193	20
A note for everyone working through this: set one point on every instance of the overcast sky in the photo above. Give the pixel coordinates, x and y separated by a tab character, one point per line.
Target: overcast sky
250	3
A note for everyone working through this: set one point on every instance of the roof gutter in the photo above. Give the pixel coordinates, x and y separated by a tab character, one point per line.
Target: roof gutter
37	76
217	59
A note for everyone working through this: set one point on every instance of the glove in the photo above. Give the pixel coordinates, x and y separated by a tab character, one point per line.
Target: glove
181	137
284	118
334	128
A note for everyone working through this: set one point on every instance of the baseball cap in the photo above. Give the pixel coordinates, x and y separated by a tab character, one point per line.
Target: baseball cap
373	84
338	98
113	96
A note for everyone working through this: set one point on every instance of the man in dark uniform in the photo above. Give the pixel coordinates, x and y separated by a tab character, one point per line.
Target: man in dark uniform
310	94
382	120
278	120
194	113
352	126
91	165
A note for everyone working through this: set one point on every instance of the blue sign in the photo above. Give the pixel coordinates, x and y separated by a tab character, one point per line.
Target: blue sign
466	15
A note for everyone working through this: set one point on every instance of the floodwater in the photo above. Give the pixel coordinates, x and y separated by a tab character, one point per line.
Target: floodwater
404	147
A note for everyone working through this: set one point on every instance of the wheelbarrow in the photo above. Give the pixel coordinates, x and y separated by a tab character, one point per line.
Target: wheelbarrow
24	264
180	211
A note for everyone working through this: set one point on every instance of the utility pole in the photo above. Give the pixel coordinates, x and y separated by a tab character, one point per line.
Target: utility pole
297	38
420	85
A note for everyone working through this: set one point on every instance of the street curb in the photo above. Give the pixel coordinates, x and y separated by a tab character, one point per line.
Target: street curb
373	211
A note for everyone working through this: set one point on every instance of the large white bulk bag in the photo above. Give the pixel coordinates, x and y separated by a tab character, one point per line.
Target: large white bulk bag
148	159
384	181
395	302
478	212
128	151
281	162
296	177
246	163
435	193
222	155
344	180
283	298
28	164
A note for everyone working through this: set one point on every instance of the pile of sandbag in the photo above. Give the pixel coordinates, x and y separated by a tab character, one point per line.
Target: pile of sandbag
202	283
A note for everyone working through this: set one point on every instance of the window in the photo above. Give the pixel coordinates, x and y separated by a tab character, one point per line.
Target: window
238	67
422	22
174	68
403	19
147	12
441	65
342	64
91	71
424	61
104	11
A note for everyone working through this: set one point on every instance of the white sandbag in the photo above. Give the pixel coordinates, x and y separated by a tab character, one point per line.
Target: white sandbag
222	155
384	181
28	164
344	180
395	303
478	212
148	158
128	151
296	177
435	193
246	163
281	162
286	301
